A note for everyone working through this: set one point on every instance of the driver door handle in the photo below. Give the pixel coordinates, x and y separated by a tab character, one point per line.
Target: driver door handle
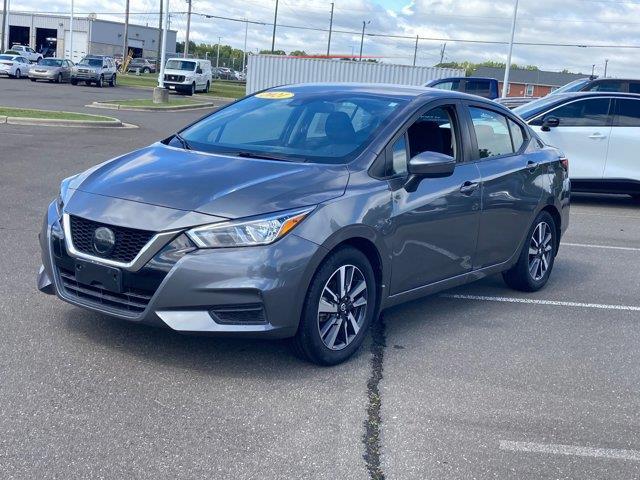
468	188
597	136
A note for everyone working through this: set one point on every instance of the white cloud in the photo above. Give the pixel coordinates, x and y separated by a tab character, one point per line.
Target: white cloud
602	22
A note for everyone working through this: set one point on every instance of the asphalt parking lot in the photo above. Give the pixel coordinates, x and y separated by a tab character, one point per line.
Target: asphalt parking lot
479	382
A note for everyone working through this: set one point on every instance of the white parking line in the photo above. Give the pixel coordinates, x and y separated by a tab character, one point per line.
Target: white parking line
556	449
609	247
533	301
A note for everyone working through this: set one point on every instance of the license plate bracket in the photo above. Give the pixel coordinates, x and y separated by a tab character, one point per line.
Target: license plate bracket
89	273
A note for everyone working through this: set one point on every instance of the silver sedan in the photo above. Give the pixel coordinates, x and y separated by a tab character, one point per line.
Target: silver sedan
53	69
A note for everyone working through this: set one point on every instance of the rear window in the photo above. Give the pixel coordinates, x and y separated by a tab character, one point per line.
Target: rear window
481	88
492	133
48	62
6	57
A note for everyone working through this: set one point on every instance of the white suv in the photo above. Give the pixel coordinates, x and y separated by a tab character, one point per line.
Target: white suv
28	53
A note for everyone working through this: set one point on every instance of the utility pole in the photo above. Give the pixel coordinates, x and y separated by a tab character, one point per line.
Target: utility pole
158	59
273	38
606	64
218	54
125	50
593	71
415	51
444	46
330	29
5	19
505	83
163	54
364	24
70	34
186	41
244	49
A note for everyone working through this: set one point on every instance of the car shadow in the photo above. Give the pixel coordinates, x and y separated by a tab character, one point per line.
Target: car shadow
604	200
212	356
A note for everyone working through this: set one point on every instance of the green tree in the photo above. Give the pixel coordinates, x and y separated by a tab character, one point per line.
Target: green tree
298	53
275	52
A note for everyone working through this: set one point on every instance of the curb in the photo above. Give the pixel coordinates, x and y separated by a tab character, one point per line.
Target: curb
51	122
177	108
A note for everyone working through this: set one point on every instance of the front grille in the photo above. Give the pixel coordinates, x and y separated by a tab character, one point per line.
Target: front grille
131	301
252	314
174	78
129	241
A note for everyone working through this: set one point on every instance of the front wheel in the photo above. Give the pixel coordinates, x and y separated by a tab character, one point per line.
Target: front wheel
18	74
535	263
74	82
59	78
339	307
100	82
113	82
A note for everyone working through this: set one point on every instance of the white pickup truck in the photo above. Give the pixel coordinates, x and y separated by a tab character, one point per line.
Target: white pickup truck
28	53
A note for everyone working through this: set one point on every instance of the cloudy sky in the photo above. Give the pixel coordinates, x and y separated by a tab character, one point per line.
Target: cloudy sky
581	22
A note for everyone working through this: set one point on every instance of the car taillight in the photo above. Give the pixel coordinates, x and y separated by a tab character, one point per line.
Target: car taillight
564	161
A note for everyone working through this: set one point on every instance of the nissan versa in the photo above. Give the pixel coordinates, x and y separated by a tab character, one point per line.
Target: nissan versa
303	211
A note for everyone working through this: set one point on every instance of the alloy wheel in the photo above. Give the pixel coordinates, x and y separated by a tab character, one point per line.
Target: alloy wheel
540	251
342	307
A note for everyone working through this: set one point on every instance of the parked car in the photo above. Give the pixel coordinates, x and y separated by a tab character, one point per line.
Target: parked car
621	85
187	75
52	69
302	211
483	87
14	66
27	52
96	69
225	73
142	65
513	102
599	132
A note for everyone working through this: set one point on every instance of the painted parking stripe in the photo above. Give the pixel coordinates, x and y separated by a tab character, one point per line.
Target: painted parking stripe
608	247
555	449
533	301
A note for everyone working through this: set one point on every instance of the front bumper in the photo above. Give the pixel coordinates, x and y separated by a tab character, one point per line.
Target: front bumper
85	76
255	291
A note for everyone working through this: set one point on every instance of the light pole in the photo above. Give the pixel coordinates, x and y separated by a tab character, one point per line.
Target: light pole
505	83
163	54
125	48
364	24
218	54
5	19
275	21
186	41
244	50
330	29
606	64
71	34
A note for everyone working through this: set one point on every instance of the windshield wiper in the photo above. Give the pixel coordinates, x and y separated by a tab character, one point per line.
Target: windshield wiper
184	143
264	156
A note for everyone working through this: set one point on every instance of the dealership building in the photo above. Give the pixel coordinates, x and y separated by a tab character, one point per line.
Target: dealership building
50	35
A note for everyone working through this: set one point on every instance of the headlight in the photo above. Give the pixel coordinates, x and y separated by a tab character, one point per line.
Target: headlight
243	233
64	192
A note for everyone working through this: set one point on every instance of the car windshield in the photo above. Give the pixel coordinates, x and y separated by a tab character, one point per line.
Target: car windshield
313	127
531	109
92	62
181	65
49	62
6	57
574	86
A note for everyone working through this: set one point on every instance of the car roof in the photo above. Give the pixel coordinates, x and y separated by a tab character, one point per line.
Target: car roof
616	79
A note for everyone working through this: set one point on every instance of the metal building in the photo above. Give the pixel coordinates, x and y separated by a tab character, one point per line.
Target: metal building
50	35
265	71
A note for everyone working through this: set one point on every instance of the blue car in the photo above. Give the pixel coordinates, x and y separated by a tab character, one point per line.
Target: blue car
303	211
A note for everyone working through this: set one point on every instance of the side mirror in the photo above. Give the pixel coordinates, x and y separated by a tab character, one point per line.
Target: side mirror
428	165
198	70
550	122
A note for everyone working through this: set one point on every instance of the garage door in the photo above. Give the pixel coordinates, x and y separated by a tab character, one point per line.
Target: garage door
80	42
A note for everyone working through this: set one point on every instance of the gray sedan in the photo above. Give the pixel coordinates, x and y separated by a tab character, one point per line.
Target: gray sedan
53	69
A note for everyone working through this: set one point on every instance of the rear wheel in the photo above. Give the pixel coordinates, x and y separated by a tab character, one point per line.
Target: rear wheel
113	82
339	307
32	79
206	90
100	82
18	74
59	78
146	70
74	82
536	259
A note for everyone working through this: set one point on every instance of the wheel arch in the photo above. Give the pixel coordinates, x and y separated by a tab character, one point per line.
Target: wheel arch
557	220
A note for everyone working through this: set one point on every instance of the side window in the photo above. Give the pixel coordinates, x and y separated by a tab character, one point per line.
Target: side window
492	133
607	86
517	136
593	112
451	85
627	113
434	131
634	87
478	87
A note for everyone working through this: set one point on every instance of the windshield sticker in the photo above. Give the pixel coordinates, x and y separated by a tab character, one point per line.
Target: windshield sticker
275	95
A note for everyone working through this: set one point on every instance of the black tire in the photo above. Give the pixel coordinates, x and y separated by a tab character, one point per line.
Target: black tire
527	274
88	83
192	89
113	82
32	79
146	70
73	82
206	90
308	342
59	78
100	82
18	74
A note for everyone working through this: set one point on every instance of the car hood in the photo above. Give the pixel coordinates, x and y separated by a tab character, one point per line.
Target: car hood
219	185
46	67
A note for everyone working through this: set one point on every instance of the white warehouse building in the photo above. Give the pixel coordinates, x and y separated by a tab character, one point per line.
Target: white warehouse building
50	35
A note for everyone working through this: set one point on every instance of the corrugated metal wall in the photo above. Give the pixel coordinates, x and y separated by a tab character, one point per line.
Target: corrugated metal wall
265	71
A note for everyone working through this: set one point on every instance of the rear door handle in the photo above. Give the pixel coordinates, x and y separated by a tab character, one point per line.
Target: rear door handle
468	188
597	136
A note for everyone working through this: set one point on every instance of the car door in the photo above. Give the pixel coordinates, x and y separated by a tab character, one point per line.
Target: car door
66	72
512	183
434	224
582	132
622	157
